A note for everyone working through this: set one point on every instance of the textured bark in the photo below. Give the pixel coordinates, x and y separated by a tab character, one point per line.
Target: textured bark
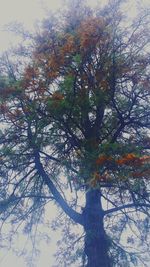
96	242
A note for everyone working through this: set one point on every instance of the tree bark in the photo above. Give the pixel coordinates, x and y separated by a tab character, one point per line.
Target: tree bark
96	241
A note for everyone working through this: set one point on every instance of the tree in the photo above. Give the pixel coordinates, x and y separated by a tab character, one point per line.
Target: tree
77	117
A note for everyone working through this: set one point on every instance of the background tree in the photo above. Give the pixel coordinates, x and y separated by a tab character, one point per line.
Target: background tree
75	123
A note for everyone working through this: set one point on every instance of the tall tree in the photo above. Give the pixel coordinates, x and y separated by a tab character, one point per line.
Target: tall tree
77	118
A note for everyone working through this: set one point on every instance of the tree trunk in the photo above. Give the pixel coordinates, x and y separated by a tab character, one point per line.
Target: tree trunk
96	242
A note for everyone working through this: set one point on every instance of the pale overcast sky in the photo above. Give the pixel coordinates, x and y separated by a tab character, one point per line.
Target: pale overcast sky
28	12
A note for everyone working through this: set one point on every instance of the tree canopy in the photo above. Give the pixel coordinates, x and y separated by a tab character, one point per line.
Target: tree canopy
75	123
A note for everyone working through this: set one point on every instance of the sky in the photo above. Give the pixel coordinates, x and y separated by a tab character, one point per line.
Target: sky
28	12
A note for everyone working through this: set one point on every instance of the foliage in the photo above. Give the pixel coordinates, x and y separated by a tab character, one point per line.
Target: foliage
77	118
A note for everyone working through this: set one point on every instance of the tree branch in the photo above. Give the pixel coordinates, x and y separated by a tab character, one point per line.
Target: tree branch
130	205
75	216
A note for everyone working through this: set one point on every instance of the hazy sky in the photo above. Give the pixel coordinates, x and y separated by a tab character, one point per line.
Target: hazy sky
28	12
